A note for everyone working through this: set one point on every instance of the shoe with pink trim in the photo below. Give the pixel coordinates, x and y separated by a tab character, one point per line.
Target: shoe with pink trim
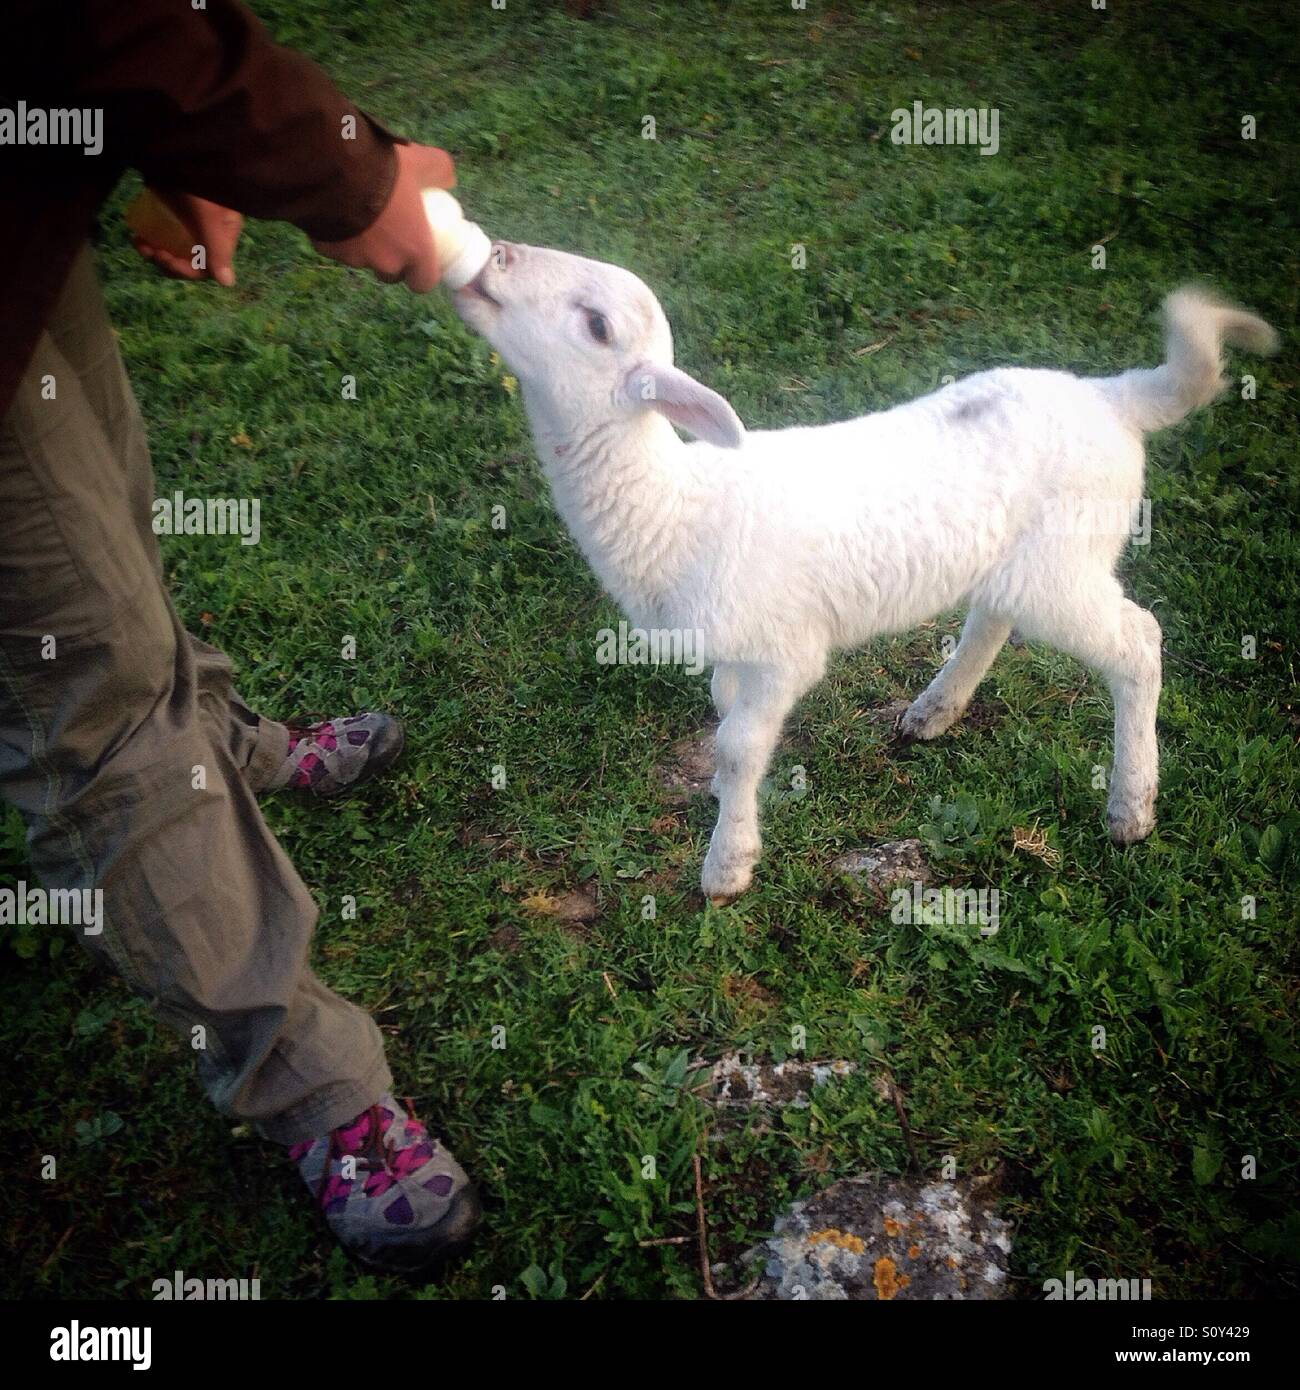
335	755
393	1196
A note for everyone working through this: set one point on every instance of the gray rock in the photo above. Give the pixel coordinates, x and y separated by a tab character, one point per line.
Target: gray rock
886	866
886	1238
741	1085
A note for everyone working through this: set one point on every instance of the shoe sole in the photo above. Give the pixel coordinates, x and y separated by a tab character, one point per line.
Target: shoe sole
466	1213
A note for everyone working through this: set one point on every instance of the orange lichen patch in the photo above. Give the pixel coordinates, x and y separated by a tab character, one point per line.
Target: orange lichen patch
913	1251
845	1240
887	1279
950	1262
892	1227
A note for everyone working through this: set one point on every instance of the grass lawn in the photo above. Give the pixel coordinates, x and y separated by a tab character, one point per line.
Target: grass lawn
1121	128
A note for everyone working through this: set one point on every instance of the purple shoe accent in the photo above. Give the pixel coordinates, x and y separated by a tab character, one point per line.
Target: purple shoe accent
399	1212
334	755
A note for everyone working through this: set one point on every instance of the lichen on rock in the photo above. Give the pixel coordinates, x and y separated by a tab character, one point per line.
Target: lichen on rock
880	1238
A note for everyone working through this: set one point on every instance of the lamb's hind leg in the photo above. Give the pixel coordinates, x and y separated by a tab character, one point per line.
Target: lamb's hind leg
1121	642
943	702
746	738
725	683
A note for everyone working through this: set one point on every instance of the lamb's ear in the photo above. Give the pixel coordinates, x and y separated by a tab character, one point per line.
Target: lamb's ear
687	403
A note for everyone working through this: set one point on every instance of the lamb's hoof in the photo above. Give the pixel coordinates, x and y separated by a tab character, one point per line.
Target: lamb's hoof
1129	827
921	721
723	881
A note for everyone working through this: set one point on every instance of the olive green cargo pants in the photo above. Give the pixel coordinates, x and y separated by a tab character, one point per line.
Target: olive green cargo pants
107	708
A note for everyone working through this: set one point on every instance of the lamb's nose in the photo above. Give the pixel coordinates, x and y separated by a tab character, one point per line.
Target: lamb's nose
504	255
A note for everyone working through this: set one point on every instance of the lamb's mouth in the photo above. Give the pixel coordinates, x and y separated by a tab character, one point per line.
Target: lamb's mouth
476	287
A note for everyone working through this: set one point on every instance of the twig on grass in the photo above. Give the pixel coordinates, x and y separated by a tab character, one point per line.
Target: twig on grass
50	1258
897	1097
702	1235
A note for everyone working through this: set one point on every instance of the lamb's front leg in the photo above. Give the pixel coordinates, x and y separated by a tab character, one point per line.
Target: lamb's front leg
943	702
746	738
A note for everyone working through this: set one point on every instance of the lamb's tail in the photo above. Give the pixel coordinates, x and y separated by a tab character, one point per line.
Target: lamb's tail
1197	324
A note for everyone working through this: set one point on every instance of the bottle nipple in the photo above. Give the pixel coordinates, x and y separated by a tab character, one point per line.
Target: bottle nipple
463	247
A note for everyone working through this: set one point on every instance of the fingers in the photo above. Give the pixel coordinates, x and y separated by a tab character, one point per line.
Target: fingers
398	247
221	249
166	261
421	275
430	166
348	253
196	223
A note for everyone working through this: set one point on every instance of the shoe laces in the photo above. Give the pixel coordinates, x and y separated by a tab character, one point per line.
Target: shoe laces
377	1153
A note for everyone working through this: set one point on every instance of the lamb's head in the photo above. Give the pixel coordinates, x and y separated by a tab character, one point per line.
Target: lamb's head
589	343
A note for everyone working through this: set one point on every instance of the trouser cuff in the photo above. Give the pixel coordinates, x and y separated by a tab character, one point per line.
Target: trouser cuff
329	1107
269	752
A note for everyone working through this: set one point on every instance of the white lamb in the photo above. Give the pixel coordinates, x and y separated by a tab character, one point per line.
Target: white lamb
1007	494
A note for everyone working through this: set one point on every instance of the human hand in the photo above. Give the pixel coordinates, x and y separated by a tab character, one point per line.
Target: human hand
166	227
398	244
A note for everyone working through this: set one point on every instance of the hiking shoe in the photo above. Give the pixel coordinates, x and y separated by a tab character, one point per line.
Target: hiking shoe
336	755
407	1205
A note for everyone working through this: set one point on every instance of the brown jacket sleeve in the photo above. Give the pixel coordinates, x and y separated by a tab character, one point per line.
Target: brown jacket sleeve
200	101
203	101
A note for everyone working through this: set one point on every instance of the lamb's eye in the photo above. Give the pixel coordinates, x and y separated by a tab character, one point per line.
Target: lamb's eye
597	326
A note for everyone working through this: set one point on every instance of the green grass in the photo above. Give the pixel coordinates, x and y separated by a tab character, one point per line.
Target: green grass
773	129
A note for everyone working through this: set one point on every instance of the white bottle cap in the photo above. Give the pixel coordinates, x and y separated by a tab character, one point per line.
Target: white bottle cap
463	247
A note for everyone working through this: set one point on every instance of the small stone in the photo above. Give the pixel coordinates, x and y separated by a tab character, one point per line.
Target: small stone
887	865
739	1084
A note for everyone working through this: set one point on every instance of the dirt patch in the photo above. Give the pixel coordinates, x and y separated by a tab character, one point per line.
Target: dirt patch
744	989
506	938
477	836
876	1238
575	909
688	769
981	715
887	716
